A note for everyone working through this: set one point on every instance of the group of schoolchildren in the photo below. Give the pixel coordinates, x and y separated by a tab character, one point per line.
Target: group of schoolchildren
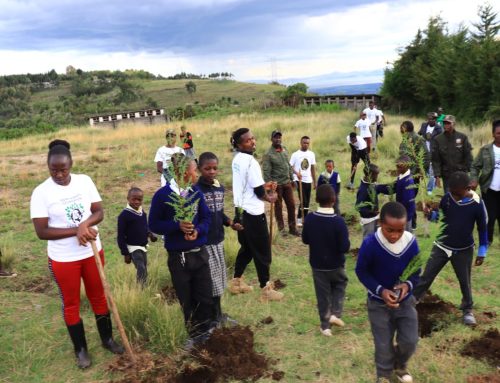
196	254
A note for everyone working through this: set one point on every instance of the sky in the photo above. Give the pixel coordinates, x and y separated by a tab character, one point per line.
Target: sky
253	39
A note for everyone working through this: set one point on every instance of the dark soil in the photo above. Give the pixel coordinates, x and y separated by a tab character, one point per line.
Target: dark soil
41	285
278	284
486	347
434	314
267	320
350	219
354	252
168	293
490	378
228	355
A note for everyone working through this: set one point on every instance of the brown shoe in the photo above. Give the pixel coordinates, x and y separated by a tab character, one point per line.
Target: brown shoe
268	293
238	286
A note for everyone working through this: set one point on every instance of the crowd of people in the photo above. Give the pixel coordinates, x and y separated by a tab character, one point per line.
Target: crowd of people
187	211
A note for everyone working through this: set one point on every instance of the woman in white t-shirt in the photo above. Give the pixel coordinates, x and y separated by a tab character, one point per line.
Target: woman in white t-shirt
164	154
65	210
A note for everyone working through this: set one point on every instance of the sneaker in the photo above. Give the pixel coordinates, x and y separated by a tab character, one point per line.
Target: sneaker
350	186
469	319
7	274
325	332
299	222
403	376
268	293
238	285
336	321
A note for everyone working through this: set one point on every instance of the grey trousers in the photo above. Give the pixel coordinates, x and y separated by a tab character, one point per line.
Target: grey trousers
369	228
140	260
330	288
385	323
461	261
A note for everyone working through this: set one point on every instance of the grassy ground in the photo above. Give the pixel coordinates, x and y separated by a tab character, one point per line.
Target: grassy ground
35	347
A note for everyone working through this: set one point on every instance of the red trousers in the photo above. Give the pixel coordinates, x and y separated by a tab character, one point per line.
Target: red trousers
67	276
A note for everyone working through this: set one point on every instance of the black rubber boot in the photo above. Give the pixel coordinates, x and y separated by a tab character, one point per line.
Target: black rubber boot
106	333
77	335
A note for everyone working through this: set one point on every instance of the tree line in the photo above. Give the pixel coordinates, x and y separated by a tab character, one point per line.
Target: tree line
459	71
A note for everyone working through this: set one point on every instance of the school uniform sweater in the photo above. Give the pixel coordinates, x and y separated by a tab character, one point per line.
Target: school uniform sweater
405	193
328	239
214	198
458	222
132	229
332	180
161	219
367	198
379	265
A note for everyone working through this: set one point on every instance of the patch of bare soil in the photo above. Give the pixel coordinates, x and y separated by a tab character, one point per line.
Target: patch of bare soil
489	378
486	347
267	320
350	219
432	205
279	284
433	314
228	355
169	294
42	285
354	252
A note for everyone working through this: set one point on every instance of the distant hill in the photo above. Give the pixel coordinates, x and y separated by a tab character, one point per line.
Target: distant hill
372	88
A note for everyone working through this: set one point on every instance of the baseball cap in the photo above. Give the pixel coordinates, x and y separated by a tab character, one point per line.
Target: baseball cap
275	132
449	118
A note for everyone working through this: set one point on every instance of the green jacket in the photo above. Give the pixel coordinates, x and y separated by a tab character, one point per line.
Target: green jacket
483	167
414	147
276	167
451	153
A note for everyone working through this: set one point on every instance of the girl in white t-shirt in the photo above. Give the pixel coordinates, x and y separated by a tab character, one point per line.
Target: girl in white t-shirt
363	125
65	210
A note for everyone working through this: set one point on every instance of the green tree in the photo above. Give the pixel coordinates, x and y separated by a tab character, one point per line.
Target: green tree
191	88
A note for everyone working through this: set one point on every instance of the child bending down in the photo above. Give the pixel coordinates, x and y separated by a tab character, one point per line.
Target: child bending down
382	258
326	234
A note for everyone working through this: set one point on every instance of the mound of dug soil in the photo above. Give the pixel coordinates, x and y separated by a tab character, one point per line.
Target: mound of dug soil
279	284
434	314
486	347
490	378
169	294
228	354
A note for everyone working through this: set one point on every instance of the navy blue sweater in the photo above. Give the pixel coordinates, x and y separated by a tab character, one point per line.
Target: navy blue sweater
214	198
367	198
378	268
132	229
332	181
328	240
405	194
458	222
161	220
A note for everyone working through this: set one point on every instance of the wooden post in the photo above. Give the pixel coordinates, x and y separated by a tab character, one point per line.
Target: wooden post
112	304
271	225
301	200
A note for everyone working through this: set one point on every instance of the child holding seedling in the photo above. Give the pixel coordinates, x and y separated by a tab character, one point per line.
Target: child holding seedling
367	200
213	192
328	238
386	269
179	212
329	176
133	234
461	209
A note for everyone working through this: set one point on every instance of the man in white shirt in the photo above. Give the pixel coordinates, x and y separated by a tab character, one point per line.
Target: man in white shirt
380	123
303	163
363	126
249	193
372	116
359	151
164	154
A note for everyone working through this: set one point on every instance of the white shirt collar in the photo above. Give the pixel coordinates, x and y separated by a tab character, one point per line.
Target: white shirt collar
407	173
326	210
399	246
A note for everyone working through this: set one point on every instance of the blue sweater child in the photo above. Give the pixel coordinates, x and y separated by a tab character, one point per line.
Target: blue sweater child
187	257
382	258
461	210
328	238
329	176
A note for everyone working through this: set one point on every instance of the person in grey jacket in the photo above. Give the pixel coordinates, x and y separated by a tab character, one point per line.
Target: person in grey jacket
485	172
451	151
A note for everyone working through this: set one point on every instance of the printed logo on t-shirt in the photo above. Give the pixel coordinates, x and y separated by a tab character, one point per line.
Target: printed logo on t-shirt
74	213
304	165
